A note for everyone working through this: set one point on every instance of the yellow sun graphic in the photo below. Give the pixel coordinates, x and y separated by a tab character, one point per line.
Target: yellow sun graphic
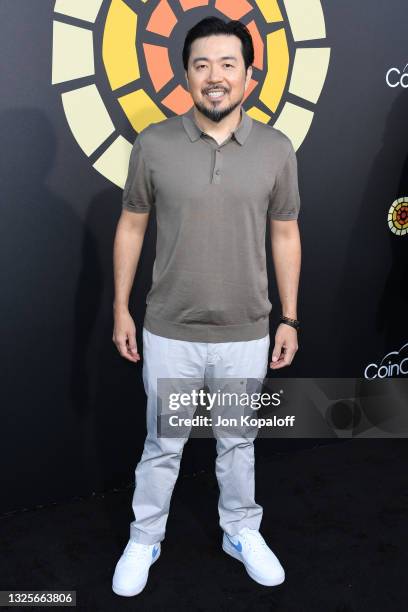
398	216
112	56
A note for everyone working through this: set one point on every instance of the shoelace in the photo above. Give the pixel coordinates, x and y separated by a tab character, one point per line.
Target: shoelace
254	541
136	550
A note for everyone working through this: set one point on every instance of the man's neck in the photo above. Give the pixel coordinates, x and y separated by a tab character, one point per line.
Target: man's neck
219	131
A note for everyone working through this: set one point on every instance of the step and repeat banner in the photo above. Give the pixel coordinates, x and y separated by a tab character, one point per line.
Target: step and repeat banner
81	78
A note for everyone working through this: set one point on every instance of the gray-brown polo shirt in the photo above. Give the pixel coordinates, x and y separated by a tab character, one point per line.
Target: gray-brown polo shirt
212	203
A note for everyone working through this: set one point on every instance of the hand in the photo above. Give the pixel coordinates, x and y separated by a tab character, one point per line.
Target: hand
124	335
286	345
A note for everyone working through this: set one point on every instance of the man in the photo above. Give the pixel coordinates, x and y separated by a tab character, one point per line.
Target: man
214	176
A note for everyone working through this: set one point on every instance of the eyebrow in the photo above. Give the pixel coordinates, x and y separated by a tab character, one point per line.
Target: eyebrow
198	59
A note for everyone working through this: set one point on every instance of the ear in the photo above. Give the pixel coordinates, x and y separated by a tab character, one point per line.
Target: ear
186	76
248	76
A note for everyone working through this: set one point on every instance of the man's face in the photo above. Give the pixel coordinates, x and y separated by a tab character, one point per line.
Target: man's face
216	64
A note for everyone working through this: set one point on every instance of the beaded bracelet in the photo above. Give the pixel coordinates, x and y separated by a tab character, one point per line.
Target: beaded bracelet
292	322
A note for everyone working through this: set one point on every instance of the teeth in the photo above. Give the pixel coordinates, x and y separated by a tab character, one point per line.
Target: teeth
216	93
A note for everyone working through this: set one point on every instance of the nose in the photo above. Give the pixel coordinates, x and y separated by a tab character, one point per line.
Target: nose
214	75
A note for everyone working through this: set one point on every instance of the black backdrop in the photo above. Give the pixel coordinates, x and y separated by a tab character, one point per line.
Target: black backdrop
72	408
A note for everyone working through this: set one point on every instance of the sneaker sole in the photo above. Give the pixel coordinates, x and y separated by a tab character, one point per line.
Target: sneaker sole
126	593
235	554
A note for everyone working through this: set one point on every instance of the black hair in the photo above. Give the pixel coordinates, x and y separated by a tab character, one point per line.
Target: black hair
215	25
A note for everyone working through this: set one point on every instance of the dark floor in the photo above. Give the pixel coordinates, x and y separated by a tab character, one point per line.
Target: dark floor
336	516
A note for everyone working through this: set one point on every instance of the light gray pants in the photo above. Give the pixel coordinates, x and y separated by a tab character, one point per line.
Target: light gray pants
158	469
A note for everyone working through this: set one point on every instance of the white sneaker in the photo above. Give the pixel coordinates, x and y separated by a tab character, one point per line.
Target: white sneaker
132	569
260	562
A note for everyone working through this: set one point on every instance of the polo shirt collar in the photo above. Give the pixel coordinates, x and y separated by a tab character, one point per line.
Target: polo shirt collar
240	133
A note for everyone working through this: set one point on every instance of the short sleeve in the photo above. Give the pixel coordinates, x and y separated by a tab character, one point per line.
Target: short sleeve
138	191
284	201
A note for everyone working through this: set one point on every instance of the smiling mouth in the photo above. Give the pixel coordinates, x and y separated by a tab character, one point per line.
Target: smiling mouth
215	94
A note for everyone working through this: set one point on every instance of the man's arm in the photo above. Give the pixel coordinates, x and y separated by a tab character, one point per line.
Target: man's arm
128	244
137	202
286	255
